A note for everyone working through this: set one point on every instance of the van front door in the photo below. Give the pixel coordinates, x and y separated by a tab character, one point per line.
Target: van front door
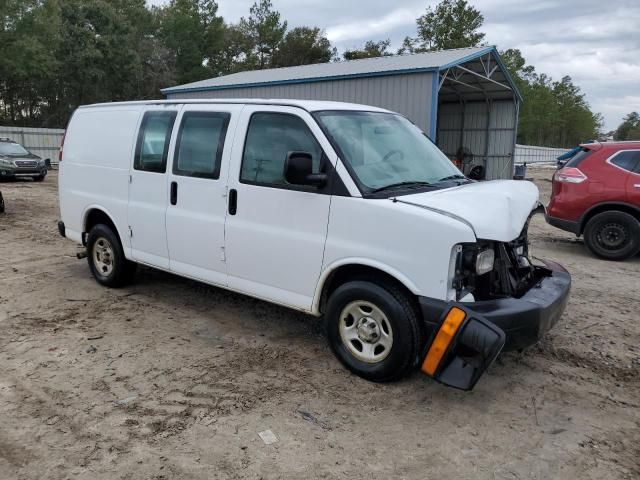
148	188
197	191
275	232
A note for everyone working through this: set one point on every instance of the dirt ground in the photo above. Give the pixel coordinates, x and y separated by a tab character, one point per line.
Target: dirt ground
172	379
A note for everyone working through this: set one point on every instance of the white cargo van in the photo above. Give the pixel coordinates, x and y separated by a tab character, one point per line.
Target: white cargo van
343	211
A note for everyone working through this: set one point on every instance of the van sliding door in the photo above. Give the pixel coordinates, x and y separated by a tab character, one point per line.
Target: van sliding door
198	189
148	188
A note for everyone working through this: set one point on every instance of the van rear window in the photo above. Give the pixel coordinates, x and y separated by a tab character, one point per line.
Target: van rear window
200	144
153	141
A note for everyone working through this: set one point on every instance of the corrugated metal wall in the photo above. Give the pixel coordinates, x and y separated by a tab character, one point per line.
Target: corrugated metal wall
409	95
488	129
44	142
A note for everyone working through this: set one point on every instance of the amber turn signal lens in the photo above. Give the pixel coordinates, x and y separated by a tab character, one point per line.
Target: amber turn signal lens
443	339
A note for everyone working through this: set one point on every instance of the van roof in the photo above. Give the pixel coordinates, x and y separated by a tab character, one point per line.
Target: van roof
309	105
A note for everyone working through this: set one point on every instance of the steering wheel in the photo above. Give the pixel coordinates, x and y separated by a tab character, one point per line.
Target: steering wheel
391	154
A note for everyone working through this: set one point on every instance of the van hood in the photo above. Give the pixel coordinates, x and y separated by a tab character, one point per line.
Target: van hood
495	210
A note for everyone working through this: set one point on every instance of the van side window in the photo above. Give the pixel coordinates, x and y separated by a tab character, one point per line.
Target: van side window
270	137
627	160
200	144
153	141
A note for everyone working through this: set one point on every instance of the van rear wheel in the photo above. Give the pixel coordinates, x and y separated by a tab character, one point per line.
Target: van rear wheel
373	330
613	235
106	258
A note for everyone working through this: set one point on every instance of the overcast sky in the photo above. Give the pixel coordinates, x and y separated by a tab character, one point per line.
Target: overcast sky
596	42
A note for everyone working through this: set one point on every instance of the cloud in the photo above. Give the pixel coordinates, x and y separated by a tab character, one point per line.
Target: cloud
354	30
574	38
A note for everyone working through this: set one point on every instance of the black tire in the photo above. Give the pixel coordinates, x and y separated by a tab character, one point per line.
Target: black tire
1	203
106	258
402	320
613	235
39	178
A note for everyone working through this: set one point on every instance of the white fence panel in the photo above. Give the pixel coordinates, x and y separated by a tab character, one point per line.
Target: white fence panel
44	142
533	154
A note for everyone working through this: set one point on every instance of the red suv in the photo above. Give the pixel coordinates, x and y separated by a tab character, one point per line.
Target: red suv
597	194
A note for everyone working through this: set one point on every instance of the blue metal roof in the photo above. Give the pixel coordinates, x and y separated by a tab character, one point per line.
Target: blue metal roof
369	67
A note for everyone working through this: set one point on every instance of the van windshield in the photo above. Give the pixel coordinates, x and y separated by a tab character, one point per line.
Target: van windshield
386	151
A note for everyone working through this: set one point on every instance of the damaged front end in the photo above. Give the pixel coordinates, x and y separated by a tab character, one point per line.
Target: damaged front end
502	301
510	274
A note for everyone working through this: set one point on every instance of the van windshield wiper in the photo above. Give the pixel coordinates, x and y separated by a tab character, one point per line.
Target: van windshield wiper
457	176
400	185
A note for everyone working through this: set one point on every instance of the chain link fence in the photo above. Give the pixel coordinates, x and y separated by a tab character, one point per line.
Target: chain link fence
531	154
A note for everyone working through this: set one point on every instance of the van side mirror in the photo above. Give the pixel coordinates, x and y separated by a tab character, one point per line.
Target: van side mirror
298	170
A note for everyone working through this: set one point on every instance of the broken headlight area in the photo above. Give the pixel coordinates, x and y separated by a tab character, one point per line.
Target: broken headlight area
488	270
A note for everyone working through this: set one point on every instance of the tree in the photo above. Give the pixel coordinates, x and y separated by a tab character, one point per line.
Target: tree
303	46
28	66
451	24
233	57
409	45
264	31
629	129
371	49
58	54
553	114
193	33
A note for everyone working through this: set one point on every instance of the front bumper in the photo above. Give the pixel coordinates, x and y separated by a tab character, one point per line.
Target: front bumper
524	320
22	172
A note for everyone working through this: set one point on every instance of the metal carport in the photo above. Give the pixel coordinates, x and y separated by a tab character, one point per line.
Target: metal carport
477	109
460	98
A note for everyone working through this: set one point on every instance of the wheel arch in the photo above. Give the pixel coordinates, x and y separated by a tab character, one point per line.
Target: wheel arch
94	215
608	207
351	269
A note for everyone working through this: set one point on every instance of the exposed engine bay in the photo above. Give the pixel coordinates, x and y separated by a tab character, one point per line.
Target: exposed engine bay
510	273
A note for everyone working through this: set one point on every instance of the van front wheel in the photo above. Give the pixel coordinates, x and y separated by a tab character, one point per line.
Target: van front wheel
373	330
106	258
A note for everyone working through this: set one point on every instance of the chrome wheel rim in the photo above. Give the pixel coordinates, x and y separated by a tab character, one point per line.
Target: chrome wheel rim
103	256
366	331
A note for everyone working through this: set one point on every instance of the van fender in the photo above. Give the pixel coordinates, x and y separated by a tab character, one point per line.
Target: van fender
85	216
358	261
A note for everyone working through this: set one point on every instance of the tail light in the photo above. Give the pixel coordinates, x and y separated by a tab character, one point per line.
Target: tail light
61	147
570	175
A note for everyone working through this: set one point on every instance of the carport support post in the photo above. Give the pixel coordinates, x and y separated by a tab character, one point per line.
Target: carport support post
516	113
462	124
487	137
435	90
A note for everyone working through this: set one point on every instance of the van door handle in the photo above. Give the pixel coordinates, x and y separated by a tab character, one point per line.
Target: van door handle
233	201
174	193
637	185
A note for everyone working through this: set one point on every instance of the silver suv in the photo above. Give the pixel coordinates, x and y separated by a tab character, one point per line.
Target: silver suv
17	161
